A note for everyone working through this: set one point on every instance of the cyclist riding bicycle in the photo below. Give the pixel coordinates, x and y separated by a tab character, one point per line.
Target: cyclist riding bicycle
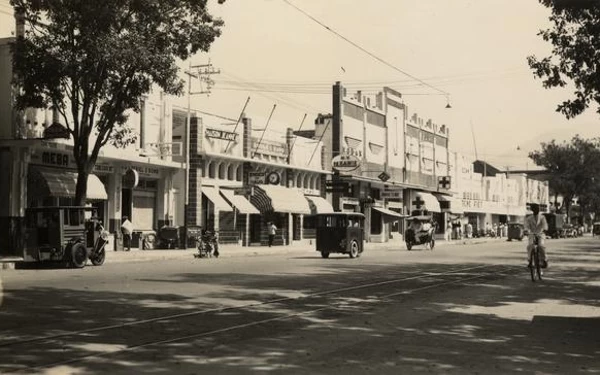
535	225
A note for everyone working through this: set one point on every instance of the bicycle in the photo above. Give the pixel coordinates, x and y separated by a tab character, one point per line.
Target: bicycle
535	263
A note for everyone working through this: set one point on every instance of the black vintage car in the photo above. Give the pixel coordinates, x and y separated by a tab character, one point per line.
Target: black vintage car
340	232
516	231
66	234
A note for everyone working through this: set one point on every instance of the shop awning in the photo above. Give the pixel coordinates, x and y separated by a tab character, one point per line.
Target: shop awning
319	205
450	204
58	183
389	213
239	202
276	198
427	201
213	195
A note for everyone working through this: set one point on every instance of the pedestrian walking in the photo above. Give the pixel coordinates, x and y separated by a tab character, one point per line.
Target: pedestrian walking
127	230
272	230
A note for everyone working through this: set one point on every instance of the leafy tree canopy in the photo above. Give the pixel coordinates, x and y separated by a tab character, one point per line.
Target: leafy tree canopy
96	60
575	38
574	167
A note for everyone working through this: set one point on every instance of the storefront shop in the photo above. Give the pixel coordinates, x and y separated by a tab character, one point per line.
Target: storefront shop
283	206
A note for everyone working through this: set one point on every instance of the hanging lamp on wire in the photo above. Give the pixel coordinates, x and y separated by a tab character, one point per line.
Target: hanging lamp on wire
448	102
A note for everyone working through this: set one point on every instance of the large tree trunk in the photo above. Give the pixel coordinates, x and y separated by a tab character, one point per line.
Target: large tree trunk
81	188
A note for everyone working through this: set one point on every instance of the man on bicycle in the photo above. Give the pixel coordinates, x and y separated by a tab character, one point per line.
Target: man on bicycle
535	225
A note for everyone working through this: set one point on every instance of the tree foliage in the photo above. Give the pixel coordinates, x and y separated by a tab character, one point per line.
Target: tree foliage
575	39
95	60
574	167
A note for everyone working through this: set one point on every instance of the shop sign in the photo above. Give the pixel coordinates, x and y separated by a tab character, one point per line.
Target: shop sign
64	160
345	163
268	147
131	178
391	194
220	134
470	203
256	178
146	171
55	159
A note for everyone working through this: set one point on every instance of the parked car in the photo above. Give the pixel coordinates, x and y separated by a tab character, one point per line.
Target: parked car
555	224
569	231
516	231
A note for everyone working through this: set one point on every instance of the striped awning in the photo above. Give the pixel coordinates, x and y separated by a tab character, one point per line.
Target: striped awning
276	198
319	205
213	195
58	183
239	202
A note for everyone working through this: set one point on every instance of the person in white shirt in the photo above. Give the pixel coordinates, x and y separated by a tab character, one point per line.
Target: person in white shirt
535	225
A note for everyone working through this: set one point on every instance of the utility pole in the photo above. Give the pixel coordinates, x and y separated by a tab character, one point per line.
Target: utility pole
202	73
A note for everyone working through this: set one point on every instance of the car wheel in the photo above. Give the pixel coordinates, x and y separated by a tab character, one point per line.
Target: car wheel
432	244
353	249
324	254
79	255
408	246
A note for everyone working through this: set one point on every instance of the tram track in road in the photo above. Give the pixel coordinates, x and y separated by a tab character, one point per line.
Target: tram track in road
460	275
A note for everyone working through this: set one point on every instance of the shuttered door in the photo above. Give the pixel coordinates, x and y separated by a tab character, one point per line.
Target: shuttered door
144	207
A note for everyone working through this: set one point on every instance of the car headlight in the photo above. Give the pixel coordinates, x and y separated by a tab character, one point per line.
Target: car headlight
104	235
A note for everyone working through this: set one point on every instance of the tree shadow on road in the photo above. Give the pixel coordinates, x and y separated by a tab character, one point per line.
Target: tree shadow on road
497	324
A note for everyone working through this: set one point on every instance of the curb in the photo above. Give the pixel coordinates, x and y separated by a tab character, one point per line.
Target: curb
155	255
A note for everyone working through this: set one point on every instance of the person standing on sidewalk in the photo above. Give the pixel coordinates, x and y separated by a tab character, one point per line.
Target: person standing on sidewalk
272	230
127	230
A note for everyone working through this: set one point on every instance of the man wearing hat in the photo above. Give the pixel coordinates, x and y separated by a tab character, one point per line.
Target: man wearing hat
535	225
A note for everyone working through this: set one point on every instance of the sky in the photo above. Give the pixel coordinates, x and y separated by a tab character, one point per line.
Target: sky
473	50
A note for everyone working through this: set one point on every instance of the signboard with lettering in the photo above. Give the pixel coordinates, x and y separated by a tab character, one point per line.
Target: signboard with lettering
220	134
345	163
268	147
64	159
256	178
147	171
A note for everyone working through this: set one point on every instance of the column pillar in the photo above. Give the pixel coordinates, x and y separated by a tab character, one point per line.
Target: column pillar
247	231
115	188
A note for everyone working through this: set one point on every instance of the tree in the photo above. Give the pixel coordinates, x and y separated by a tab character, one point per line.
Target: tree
94	61
575	54
574	167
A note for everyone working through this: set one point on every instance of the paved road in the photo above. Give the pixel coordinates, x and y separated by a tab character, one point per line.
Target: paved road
457	309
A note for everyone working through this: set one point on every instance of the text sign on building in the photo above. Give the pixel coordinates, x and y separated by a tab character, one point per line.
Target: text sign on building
391	194
64	160
220	134
256	178
345	163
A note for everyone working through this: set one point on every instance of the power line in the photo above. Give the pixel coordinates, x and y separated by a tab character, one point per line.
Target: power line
445	93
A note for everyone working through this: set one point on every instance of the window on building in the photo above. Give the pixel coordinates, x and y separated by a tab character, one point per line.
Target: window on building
238	173
211	170
222	171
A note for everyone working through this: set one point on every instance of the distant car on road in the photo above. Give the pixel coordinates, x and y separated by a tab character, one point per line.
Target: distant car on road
516	231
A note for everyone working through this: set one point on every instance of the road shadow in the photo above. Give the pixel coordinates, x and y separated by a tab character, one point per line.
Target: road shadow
496	324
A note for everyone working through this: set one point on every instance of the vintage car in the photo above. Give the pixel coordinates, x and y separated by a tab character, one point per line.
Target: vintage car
64	234
340	232
516	231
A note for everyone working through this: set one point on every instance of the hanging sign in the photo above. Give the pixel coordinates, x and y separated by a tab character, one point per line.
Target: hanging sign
345	163
131	178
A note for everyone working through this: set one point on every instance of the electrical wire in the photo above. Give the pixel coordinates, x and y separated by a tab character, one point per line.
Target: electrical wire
445	93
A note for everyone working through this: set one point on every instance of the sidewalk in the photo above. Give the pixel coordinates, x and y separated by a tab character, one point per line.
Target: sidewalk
230	251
